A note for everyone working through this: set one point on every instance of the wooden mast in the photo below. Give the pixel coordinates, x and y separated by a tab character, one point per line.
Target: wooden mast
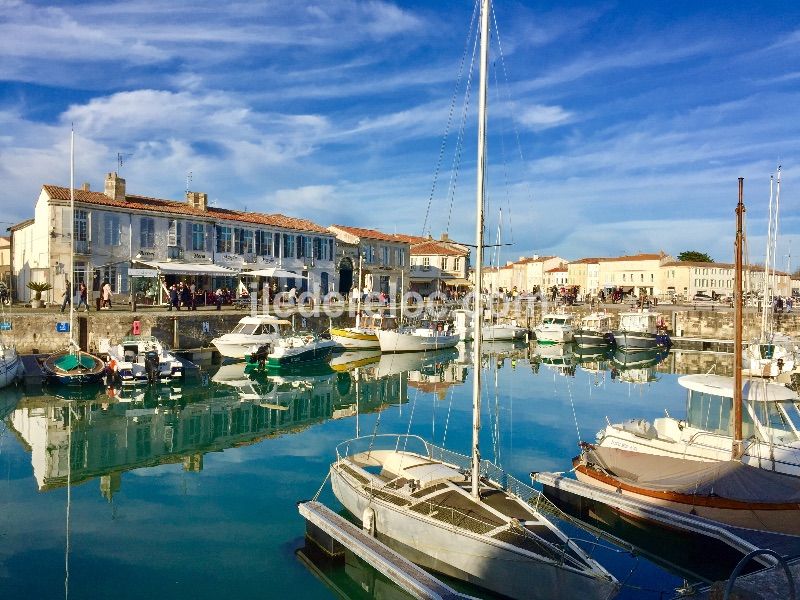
737	448
477	315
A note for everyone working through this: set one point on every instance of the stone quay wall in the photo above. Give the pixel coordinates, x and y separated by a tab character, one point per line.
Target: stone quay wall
35	331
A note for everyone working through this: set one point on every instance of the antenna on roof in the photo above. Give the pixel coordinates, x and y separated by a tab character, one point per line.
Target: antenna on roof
188	181
121	161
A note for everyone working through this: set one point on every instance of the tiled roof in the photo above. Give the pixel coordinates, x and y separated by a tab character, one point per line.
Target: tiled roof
21	225
634	257
587	261
174	207
557	270
371	234
715	265
412	239
437	248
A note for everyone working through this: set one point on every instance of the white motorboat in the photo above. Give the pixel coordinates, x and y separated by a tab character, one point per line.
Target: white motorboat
430	335
460	515
141	360
10	365
251	332
555	328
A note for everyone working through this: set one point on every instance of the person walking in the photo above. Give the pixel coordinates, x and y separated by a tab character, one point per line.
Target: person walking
83	294
67	295
106	291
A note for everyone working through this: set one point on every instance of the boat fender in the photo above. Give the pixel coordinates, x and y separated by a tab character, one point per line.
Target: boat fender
368	521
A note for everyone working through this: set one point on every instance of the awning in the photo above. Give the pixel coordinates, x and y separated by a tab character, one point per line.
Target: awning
457	281
273	272
176	268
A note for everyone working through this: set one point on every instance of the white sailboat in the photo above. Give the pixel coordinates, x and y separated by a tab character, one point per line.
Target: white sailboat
10	362
735	457
460	515
773	353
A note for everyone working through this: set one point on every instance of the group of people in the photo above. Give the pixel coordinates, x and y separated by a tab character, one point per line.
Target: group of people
83	296
181	294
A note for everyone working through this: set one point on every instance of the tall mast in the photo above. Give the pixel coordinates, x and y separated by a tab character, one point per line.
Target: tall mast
737	449
71	235
478	313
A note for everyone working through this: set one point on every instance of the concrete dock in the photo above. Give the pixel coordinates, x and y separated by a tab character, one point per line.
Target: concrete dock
338	531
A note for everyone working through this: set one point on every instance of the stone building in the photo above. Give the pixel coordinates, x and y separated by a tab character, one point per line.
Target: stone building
178	240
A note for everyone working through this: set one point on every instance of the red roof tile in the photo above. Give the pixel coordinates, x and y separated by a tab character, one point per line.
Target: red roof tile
437	248
174	207
634	257
371	234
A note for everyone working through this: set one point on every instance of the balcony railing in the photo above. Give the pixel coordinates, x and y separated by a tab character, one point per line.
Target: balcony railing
174	252
83	247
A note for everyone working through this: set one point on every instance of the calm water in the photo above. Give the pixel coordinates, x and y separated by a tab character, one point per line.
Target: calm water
191	493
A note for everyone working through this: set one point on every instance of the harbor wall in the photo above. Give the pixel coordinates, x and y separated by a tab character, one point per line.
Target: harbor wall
36	331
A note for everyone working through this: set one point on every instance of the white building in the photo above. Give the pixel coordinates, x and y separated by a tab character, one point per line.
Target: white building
180	240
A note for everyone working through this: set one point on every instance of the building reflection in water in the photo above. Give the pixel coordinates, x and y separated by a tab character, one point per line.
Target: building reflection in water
121	430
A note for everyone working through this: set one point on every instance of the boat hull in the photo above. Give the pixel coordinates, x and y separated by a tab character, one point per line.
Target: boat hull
78	376
314	354
10	367
639	340
467	556
393	341
354	339
239	346
503	332
778	518
588	338
553	336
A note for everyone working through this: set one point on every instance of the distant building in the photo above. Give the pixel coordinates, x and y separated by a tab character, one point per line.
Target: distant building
5	260
527	274
372	260
180	240
637	274
689	278
438	264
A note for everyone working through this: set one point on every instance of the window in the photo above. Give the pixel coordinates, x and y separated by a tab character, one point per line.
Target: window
317	248
385	255
110	273
248	244
289	245
369	254
402	262
174	233
308	246
224	239
198	236
276	244
111	231
444	263
456	263
263	243
426	262
237	240
147	232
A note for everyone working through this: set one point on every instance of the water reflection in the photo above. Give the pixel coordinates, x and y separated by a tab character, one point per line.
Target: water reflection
113	431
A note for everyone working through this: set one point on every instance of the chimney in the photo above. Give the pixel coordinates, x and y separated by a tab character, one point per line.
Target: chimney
445	238
85	186
197	200
115	187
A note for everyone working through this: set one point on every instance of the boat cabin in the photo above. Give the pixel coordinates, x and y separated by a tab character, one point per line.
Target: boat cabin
640	321
770	411
261	325
557	320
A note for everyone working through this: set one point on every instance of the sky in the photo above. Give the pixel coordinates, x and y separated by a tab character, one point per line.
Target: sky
614	127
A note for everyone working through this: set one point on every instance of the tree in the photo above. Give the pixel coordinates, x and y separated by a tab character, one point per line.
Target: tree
694	256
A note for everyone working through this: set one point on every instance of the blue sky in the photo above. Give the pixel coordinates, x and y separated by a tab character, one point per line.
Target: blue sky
634	119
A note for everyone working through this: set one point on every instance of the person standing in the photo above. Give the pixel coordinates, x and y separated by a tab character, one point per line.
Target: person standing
67	295
218	299
82	296
192	297
173	298
106	295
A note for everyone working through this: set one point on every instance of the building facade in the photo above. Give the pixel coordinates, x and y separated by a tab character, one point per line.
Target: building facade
113	231
372	261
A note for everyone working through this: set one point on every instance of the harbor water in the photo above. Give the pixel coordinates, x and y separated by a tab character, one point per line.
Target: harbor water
190	490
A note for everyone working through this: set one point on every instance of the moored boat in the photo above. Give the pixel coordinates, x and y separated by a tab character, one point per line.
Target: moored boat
594	331
294	350
10	365
640	330
429	335
555	328
251	332
141	360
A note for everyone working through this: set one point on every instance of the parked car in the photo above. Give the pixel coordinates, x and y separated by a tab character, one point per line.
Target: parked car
701	297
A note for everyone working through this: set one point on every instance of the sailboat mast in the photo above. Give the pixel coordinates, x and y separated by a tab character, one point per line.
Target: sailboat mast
71	236
477	315
737	449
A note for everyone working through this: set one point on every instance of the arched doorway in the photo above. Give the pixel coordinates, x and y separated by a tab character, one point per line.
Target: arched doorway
345	276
